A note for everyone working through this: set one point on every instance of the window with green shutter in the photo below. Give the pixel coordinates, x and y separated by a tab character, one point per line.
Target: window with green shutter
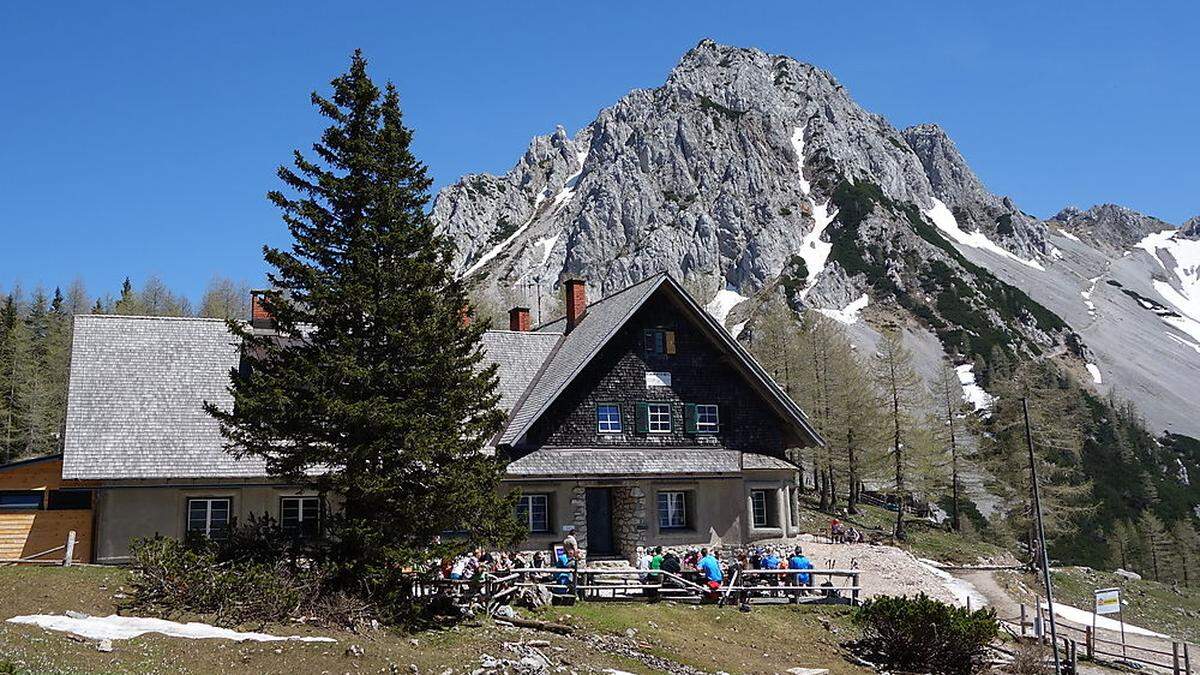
689	418
643	417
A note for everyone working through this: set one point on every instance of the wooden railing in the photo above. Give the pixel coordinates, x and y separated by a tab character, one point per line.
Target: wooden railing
1177	660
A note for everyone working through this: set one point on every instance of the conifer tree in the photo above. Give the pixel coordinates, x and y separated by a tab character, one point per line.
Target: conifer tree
1186	547
1156	544
14	369
374	390
903	396
948	393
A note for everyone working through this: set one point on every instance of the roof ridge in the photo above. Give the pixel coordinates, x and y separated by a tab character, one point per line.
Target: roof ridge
606	298
149	317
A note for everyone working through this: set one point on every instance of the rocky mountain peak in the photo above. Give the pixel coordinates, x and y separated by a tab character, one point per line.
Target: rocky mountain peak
1191	228
1108	225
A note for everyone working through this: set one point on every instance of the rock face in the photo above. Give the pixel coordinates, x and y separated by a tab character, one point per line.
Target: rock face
747	174
1108	225
1191	229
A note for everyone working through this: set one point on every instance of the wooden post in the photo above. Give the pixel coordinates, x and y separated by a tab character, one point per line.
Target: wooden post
70	552
854	593
1089	646
1175	658
1072	654
1023	620
1187	660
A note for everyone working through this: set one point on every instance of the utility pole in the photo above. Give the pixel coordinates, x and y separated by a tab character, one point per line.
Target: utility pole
1041	533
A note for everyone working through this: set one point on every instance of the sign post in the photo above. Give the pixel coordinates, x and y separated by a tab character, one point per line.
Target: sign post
1108	601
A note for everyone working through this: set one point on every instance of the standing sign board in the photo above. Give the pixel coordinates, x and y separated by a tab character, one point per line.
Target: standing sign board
1108	601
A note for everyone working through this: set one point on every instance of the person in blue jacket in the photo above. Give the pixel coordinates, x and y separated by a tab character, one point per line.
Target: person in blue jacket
710	567
799	561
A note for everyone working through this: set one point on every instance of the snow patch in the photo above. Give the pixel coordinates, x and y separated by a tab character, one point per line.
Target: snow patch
973	393
723	303
1055	253
813	251
1182	259
961	589
547	246
1185	343
1094	370
1085	618
941	216
738	328
1068	235
849	314
498	248
115	627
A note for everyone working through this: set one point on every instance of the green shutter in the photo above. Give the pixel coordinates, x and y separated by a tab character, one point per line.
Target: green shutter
689	418
643	417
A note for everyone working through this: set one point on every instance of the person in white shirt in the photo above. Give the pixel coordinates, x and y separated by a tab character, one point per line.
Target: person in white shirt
643	563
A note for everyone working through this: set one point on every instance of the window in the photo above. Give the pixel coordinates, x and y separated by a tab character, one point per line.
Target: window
707	420
758	505
672	510
534	513
658	341
300	516
209	517
659	418
608	418
69	499
20	499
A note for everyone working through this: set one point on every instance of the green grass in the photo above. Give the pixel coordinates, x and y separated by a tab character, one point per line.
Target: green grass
768	639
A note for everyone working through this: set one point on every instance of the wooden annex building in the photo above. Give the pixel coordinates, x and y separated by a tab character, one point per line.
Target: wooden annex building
38	510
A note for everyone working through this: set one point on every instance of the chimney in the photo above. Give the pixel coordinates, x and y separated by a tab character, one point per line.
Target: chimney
576	301
518	319
259	316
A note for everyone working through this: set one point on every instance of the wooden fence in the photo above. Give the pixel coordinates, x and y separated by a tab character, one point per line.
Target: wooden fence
1095	648
39	558
629	584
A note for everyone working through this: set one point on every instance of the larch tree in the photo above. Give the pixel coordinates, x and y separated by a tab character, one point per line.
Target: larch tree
1185	543
904	408
1056	414
374	389
1156	544
225	299
947	393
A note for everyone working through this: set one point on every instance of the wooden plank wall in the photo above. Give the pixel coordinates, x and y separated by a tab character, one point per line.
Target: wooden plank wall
24	533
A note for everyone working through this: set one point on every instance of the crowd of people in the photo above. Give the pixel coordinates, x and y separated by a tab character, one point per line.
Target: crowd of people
658	567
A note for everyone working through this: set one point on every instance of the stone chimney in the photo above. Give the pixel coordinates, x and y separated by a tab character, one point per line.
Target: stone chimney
575	301
259	316
518	319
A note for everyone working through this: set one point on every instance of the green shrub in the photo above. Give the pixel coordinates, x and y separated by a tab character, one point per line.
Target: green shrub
920	634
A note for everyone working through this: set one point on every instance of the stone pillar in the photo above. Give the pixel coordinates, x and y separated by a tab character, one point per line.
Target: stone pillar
579	509
629	519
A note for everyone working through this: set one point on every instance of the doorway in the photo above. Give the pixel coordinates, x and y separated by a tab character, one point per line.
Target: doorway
599	522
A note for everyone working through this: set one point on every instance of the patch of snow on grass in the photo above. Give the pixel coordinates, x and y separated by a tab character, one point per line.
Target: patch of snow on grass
973	393
1085	618
941	216
849	314
1094	370
115	627
723	303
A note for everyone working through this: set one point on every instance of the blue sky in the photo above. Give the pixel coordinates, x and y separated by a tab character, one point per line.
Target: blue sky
140	138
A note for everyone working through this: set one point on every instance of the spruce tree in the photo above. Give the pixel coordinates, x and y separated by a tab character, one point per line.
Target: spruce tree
374	390
14	369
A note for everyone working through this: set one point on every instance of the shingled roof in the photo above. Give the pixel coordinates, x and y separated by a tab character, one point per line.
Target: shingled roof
138	386
135	402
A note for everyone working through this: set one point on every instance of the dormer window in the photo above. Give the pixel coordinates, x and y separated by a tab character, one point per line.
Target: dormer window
608	418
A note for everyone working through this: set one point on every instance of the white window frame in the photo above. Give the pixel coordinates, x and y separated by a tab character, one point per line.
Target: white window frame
658	418
526	503
608	424
711	426
208	514
755	495
672	510
302	499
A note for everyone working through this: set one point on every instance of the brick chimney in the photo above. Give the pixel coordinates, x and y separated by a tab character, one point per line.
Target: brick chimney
575	301
259	316
518	319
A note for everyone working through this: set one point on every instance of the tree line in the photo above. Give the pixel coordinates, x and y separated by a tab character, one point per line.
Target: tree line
36	330
1103	477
